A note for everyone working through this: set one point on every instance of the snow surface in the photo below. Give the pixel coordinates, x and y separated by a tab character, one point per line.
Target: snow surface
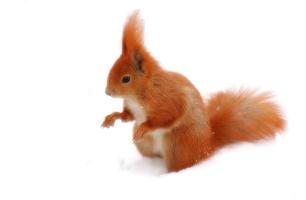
54	60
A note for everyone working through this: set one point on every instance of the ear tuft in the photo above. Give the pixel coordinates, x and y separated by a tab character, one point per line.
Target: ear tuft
132	34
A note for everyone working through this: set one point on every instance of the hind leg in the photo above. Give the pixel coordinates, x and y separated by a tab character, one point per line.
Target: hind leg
145	146
184	148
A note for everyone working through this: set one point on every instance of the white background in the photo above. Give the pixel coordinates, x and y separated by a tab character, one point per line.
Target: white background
54	60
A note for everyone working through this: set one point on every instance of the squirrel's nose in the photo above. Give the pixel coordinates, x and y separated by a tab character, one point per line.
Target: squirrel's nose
107	92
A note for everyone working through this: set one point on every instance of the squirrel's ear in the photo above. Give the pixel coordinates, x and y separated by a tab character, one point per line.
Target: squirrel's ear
138	60
132	41
124	48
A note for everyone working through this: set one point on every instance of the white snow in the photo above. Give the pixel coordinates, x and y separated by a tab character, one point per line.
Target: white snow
54	61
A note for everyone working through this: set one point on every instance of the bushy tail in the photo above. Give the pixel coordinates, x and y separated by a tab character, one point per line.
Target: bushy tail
243	115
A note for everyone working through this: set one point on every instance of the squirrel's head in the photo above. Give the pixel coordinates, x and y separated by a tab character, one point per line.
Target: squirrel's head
132	70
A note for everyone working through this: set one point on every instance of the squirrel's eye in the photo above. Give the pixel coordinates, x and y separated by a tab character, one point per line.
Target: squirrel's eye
125	79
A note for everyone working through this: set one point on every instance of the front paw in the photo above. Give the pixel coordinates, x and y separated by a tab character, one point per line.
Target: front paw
109	120
140	131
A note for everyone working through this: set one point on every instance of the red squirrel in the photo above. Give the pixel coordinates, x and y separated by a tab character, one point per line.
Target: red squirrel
172	121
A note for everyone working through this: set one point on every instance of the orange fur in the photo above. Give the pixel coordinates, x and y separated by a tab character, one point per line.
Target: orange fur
172	120
243	116
132	34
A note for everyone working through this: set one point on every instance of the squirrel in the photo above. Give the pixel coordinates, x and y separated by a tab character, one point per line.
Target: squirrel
172	120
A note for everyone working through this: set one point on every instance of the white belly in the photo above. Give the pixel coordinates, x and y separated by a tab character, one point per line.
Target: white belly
140	117
136	109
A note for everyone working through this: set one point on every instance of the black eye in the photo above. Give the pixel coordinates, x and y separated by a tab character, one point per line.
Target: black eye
125	79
